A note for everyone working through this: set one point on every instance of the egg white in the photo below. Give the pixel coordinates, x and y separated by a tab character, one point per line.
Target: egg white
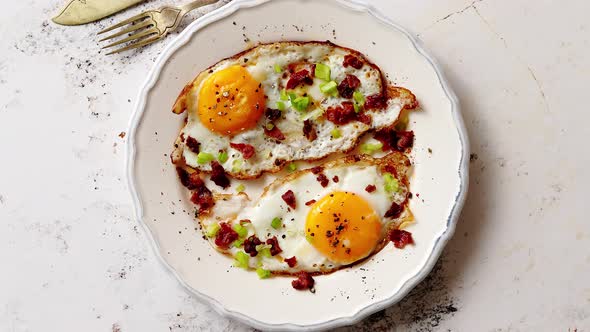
260	63
353	178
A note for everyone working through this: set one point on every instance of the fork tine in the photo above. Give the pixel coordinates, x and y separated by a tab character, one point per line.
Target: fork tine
134	36
127	21
130	29
136	45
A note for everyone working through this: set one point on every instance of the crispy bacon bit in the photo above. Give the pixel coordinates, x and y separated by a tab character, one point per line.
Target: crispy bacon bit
352	61
291	261
394	211
193	145
247	150
401	238
309	131
388	137
250	245
375	102
317	170
393	140
289	198
342	114
272	114
365	118
348	85
202	195
218	175
274	243
275	133
292	67
323	180
310	203
226	236
336	179
203	198
195	180
406	140
304	281
300	77
190	181
371	188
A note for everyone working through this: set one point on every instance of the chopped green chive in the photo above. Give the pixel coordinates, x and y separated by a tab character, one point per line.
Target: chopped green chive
204	158
281	106
329	88
391	183
223	157
241	188
359	101
371	148
241	230
309	238
336	133
212	230
292	167
262	273
359	98
264	250
284	95
322	71
242	260
276	223
292	97
238	243
270	126
357	108
237	165
278	69
301	103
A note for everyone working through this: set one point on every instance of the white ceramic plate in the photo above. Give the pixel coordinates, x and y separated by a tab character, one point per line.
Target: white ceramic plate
344	297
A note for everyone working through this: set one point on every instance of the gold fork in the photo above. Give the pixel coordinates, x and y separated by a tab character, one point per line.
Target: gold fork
150	26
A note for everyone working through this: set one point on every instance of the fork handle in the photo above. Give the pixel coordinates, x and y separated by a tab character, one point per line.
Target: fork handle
196	4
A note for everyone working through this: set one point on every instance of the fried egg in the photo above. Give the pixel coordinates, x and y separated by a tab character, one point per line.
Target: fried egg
248	113
328	225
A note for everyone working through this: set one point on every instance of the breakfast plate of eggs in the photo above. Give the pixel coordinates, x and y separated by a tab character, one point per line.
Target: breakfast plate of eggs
293	172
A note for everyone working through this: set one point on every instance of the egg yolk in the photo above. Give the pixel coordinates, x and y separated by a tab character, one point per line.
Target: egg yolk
231	101
343	227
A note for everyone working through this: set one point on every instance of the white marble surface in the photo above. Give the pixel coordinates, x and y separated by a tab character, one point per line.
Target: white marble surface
75	260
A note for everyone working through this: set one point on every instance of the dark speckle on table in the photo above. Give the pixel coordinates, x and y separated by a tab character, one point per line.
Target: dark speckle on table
116	328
